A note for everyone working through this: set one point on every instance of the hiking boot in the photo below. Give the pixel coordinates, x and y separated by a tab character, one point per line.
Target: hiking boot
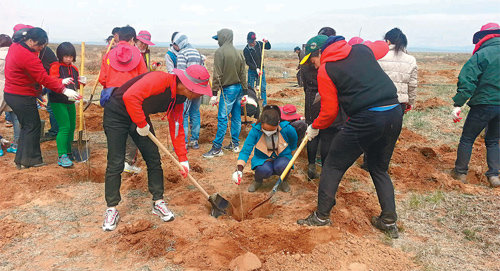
12	149
311	171
213	152
314	220
131	169
111	218
194	144
160	209
232	147
459	176
285	186
494	181
64	161
389	229
254	186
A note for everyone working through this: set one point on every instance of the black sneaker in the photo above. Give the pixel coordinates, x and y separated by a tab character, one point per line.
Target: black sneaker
311	172
232	147
314	220
389	229
213	152
254	186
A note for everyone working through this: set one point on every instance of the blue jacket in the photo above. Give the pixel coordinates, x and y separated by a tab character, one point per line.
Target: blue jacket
287	143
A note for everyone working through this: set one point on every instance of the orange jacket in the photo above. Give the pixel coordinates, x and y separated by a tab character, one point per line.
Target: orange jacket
110	77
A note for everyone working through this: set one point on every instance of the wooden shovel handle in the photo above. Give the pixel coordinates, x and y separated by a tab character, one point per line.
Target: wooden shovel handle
81	72
297	152
165	150
99	74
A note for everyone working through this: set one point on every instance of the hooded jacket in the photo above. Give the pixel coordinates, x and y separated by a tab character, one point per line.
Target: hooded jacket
24	73
229	64
479	79
187	54
402	69
287	142
350	76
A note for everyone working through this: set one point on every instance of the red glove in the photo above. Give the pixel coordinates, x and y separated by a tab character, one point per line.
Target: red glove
408	108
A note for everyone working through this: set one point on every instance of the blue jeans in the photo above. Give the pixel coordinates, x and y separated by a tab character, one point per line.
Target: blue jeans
192	111
54	128
480	117
253	79
229	103
269	168
16	126
8	116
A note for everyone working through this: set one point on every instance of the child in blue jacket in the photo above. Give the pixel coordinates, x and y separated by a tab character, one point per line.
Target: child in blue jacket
272	142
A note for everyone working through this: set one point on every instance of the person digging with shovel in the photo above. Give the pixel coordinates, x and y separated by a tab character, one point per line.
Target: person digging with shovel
272	142
127	113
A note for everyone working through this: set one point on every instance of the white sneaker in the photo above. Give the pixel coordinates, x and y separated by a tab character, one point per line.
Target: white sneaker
160	209
111	218
131	169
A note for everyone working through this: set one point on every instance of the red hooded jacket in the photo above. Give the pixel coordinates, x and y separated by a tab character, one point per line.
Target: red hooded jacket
339	50
24	72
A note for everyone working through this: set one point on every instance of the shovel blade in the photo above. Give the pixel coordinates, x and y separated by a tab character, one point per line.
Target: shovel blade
219	205
80	150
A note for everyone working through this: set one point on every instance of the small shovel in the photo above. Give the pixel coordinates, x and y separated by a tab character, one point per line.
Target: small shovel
219	204
283	175
80	148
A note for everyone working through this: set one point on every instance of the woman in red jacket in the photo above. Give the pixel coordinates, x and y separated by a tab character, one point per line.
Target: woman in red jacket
24	75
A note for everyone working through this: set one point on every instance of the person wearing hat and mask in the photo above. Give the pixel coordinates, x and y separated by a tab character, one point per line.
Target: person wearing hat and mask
127	113
351	77
143	42
253	58
187	55
272	142
121	64
479	86
229	75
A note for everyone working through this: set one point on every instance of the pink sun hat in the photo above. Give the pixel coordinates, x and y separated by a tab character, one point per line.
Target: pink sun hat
145	37
487	29
289	112
18	27
124	57
356	40
196	78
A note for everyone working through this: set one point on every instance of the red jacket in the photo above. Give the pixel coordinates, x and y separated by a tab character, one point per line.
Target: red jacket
151	84
329	97
24	72
110	77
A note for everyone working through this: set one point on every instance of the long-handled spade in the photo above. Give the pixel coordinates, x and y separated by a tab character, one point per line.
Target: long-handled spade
81	150
283	175
262	71
219	204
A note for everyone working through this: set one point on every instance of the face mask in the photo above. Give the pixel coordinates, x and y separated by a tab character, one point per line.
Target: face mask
270	133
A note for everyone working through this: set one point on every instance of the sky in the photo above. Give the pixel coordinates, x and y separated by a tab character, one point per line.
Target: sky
427	24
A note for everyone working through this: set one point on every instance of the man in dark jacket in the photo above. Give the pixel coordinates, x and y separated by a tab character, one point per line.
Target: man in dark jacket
350	76
479	83
253	58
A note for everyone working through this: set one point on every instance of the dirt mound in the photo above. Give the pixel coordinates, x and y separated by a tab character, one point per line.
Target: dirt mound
12	229
431	103
287	92
141	238
93	118
276	80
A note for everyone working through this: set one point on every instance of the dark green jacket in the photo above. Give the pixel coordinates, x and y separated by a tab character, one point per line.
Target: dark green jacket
229	64
479	79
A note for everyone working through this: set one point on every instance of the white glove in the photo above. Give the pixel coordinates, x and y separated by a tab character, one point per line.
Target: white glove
244	100
4	141
185	165
67	81
455	114
144	131
237	175
82	80
71	94
214	101
311	132
258	71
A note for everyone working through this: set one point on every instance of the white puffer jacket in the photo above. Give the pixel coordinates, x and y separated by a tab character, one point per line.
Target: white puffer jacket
3	54
402	69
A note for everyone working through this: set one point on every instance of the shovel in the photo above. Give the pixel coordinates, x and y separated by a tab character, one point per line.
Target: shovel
219	204
80	148
261	70
283	175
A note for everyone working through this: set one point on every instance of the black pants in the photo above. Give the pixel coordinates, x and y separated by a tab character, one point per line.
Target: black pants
28	149
117	126
374	133
323	142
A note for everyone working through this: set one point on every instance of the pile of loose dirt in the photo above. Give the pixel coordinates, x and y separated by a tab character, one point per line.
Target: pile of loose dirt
431	103
287	92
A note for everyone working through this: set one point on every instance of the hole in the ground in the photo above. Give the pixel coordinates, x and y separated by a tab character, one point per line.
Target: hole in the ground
242	203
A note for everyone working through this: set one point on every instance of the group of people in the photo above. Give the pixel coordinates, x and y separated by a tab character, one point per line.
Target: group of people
356	93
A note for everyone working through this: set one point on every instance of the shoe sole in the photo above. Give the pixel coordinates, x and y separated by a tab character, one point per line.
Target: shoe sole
157	213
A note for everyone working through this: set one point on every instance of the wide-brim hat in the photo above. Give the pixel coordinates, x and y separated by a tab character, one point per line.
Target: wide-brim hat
487	29
145	37
313	44
124	57
289	112
196	78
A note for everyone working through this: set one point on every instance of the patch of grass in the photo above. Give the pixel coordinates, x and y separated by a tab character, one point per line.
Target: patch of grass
418	201
471	234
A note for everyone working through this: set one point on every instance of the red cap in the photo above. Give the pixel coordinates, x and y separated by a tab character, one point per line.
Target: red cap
355	40
196	78
289	112
18	27
145	37
124	57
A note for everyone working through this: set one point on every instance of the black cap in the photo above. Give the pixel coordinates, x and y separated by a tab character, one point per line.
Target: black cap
296	48
327	31
251	37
